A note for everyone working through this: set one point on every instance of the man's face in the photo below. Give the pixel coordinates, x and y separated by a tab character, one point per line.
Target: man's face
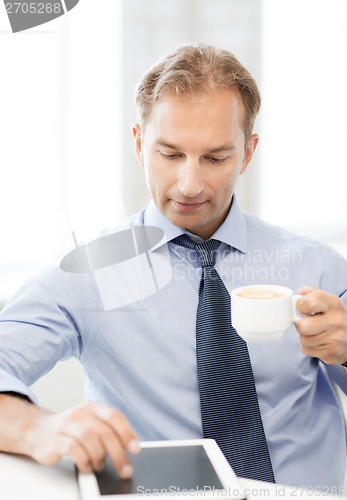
193	151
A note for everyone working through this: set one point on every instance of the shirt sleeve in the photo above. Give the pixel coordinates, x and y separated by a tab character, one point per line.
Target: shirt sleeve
39	326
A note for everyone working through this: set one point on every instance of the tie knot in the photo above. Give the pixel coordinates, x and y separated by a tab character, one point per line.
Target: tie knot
206	250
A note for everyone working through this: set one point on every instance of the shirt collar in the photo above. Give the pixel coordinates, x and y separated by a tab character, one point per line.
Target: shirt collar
233	231
152	217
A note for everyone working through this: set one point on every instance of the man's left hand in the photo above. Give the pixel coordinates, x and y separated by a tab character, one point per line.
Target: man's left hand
323	329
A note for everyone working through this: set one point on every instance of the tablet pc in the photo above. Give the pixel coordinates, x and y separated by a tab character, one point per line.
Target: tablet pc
175	469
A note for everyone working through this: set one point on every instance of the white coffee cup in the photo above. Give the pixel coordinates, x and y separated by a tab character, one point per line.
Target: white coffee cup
263	313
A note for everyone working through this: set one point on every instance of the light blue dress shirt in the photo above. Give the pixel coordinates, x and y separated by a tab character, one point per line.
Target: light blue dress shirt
140	357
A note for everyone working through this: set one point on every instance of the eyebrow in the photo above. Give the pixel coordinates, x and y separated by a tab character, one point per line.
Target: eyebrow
223	147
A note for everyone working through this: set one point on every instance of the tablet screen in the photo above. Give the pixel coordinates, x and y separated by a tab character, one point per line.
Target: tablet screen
162	470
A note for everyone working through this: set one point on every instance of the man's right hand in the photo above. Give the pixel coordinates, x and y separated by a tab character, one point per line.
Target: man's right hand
85	433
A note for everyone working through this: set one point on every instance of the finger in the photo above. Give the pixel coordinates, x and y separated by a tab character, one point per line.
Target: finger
313	342
115	450
71	447
120	425
312	325
118	436
328	345
115	434
315	302
87	435
322	350
313	352
304	290
111	428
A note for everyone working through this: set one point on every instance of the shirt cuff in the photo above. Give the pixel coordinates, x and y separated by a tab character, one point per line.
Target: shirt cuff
9	383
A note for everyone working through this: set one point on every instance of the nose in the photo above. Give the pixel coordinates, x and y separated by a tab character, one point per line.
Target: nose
190	182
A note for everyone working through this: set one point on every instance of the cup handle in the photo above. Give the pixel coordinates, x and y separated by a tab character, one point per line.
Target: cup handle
295	315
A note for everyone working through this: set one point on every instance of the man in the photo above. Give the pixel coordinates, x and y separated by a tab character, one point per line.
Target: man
196	111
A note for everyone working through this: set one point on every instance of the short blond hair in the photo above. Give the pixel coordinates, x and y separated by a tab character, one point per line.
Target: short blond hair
198	69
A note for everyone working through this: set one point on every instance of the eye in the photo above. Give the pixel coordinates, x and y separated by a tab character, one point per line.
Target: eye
170	156
213	159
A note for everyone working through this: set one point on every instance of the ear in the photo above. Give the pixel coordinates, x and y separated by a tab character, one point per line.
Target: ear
138	142
251	146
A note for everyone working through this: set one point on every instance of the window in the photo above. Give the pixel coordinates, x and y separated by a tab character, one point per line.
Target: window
303	163
60	140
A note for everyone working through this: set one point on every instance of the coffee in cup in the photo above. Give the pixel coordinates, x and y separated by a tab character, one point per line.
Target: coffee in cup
263	313
252	292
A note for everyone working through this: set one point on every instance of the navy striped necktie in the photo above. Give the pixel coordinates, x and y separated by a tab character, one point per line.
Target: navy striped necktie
230	410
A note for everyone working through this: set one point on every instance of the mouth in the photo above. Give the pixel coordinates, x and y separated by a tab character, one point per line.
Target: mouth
188	207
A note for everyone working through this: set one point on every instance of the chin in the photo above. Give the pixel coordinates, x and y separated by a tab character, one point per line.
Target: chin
185	223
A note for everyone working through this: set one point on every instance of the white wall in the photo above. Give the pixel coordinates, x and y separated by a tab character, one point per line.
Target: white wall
62	387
